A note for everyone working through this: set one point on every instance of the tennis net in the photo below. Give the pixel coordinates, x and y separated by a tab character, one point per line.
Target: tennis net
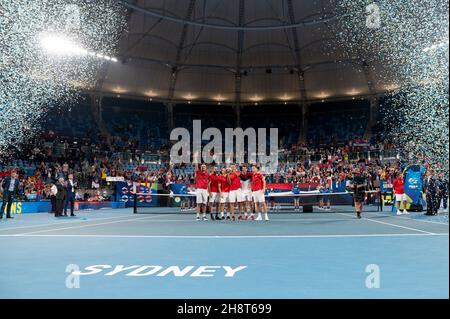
283	202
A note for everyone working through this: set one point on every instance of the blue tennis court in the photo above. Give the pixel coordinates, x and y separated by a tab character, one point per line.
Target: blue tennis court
163	255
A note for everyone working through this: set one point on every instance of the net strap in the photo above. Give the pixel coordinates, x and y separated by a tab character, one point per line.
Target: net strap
285	194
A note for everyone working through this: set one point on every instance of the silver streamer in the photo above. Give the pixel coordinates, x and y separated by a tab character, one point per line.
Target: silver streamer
406	42
39	66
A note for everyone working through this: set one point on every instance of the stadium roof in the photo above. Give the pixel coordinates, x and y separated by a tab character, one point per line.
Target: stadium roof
234	51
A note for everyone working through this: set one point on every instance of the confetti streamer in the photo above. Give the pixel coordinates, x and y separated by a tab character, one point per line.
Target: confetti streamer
48	50
409	40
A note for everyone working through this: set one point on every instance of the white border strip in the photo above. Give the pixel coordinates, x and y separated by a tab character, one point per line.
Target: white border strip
89	225
68	220
389	224
408	217
229	237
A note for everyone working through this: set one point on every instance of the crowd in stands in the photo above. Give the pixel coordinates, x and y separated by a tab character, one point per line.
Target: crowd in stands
90	169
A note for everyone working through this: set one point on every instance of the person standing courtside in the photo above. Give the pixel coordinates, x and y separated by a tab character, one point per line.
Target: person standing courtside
10	188
359	186
442	191
60	197
53	192
430	187
70	195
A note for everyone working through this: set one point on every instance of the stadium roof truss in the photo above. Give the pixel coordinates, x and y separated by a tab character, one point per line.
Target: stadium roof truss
233	52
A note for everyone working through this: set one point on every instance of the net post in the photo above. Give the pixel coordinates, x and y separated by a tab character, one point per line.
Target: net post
135	203
380	206
135	198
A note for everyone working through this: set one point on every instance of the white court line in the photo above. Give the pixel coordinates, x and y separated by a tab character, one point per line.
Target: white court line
389	224
406	218
245	222
226	236
89	225
68	221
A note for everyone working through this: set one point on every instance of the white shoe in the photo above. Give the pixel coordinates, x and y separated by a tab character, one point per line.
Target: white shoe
405	212
258	218
266	218
399	213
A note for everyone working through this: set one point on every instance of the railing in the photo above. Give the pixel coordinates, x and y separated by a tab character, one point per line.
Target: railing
386	155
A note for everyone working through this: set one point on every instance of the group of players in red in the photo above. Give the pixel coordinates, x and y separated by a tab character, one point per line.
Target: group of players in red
230	189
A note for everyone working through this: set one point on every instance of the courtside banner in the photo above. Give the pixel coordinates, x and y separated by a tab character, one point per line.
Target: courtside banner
289	187
115	179
413	183
20	207
125	193
178	189
280	186
44	206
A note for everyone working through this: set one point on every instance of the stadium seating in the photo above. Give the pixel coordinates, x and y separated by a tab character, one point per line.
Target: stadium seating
76	121
147	127
337	123
138	126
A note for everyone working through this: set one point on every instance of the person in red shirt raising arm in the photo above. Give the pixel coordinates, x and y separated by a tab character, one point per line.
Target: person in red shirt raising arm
246	193
201	179
399	189
224	191
235	191
258	185
213	191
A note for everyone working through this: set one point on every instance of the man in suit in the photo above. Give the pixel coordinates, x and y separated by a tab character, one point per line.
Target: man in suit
70	195
60	197
53	192
9	188
430	188
442	195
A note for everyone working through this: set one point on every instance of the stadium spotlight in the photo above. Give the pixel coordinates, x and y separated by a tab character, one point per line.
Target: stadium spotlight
60	45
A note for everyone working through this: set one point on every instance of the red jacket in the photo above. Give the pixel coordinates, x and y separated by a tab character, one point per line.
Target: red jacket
399	186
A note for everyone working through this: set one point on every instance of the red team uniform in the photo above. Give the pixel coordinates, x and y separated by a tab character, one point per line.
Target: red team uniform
235	187
399	189
257	187
225	188
202	186
246	190
224	185
214	188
